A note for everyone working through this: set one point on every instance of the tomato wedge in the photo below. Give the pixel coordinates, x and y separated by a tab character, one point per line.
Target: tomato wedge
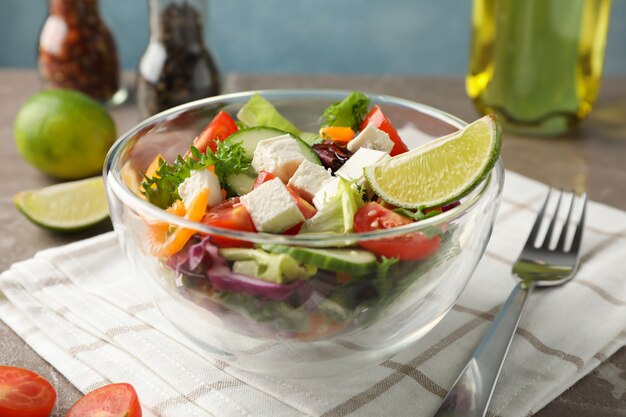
264	176
230	214
24	393
378	119
413	246
113	400
221	127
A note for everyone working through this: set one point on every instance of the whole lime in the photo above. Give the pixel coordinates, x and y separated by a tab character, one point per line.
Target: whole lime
64	133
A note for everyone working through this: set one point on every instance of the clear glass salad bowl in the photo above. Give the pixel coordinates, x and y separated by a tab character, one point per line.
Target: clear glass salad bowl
324	325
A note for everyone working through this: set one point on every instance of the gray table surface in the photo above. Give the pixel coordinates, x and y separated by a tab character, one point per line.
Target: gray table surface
593	157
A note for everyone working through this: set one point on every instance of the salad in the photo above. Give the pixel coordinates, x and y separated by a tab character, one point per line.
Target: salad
259	173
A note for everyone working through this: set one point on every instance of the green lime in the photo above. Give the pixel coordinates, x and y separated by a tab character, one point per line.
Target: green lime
67	207
441	171
64	133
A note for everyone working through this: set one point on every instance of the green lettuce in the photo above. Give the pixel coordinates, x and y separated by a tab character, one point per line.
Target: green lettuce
260	112
272	267
337	213
348	113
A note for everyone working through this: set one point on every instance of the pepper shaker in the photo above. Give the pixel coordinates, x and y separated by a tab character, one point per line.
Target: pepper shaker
177	66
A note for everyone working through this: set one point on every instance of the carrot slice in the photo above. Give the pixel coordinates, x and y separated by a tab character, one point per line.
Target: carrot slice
337	133
179	237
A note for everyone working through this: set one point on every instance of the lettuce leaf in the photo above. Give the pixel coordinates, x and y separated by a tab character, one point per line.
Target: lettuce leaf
348	113
260	112
272	267
337	213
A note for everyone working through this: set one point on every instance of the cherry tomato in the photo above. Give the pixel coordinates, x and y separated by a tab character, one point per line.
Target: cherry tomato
24	393
230	214
372	216
113	400
378	119
221	127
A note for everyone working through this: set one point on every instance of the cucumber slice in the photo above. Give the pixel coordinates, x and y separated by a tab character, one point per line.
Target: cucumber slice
251	137
349	261
240	183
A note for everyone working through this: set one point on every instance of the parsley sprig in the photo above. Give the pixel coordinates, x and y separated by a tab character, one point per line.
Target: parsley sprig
162	189
420	214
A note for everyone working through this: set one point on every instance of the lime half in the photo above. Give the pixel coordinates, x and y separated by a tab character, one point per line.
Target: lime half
441	171
67	207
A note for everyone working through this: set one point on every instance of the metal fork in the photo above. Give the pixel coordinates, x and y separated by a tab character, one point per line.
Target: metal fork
539	265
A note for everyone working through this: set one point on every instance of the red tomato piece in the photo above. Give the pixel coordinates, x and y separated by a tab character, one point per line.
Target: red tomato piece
24	393
305	207
230	214
113	400
221	127
293	230
378	119
413	246
264	176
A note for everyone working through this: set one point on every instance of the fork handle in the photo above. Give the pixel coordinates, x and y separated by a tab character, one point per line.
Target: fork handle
471	393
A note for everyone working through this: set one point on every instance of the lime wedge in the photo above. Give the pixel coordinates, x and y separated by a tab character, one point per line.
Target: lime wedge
441	171
66	207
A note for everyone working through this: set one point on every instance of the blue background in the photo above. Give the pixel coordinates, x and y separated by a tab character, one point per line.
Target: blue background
301	36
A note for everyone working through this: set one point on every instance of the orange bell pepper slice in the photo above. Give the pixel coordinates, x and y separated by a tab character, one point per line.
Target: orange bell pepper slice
157	231
154	166
337	133
179	237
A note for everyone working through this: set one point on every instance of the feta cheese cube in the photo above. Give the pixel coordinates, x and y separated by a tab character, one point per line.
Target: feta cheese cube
353	168
309	178
280	156
328	190
373	138
271	207
189	189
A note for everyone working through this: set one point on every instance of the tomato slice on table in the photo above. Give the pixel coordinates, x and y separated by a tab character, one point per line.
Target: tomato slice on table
230	214
221	127
410	247
24	393
378	119
113	400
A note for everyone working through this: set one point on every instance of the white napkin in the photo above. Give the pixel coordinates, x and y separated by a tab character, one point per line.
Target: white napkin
80	308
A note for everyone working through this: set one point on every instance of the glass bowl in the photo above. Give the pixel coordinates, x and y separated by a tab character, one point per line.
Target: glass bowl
330	323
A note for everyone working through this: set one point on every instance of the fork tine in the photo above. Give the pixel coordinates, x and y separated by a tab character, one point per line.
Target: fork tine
563	237
578	235
530	242
548	238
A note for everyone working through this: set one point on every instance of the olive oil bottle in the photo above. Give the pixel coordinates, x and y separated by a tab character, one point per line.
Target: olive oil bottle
537	63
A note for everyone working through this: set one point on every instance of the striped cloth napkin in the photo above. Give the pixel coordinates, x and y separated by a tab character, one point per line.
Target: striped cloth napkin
80	308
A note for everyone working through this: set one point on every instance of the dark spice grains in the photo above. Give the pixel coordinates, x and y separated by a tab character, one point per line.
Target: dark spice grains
176	67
